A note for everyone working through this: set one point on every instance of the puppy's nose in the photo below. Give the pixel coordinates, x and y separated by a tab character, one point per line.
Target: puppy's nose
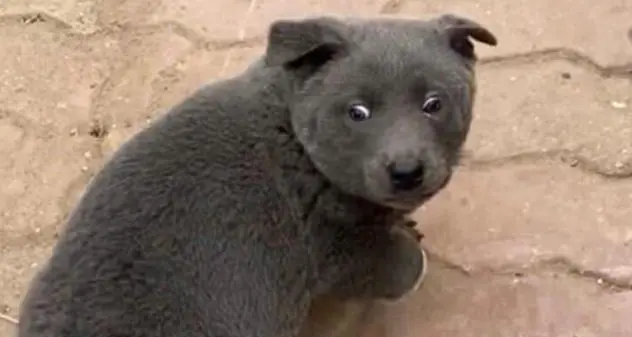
406	175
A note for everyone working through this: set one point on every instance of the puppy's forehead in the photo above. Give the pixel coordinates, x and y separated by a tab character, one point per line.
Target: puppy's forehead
385	31
398	49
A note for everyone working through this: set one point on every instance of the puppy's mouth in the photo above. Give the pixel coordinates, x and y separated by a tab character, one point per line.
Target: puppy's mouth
412	201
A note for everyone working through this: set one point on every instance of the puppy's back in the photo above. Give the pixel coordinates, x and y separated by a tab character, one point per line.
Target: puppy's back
158	227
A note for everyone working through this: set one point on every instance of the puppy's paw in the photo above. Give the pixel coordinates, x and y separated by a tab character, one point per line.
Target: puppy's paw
409	227
409	265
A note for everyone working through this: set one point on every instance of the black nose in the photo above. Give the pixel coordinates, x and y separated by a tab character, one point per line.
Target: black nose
406	176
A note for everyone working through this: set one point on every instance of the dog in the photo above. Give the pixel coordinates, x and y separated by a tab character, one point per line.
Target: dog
257	195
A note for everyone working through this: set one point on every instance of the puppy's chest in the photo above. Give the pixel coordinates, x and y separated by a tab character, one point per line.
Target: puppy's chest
336	217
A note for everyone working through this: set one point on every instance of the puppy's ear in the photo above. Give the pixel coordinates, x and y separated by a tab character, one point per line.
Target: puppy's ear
459	30
300	43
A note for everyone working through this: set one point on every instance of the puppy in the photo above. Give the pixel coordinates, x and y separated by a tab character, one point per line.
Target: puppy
258	194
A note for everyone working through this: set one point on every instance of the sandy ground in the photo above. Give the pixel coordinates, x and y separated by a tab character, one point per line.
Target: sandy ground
533	237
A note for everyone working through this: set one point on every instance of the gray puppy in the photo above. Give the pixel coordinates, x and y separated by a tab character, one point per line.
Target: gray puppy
257	194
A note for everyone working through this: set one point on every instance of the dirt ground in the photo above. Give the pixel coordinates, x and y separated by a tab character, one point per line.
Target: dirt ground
532	238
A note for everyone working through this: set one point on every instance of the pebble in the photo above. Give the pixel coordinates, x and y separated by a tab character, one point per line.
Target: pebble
618	105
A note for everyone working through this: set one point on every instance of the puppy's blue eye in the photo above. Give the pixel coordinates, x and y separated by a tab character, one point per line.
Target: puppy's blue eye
432	105
359	113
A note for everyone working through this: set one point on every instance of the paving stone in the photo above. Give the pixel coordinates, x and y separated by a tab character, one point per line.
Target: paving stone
542	304
216	20
122	105
42	171
48	79
41	176
125	12
267	11
229	19
521	215
7	329
18	268
40	61
533	107
197	69
172	84
595	28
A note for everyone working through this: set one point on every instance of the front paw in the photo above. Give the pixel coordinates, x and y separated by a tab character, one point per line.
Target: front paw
409	262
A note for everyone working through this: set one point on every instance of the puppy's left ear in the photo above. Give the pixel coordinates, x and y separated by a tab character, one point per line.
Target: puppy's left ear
309	42
459	30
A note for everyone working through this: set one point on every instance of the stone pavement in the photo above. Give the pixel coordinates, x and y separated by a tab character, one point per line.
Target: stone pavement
532	238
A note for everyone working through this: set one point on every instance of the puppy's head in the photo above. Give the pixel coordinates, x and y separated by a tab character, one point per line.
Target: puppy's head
382	106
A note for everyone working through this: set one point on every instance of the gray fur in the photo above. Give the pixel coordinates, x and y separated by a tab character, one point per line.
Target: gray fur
255	195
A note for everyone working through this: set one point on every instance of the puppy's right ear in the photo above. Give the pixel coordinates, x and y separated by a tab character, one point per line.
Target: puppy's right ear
304	43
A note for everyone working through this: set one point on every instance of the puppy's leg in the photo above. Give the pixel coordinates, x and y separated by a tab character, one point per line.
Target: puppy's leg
376	262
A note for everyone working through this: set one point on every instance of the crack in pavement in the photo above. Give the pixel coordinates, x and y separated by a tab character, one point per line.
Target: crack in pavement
175	27
193	37
569	157
29	18
560	264
561	53
567	266
241	35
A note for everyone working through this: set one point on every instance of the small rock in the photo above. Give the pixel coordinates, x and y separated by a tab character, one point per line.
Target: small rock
74	131
618	105
573	162
566	75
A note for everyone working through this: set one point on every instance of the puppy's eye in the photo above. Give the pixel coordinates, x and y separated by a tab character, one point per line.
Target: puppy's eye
432	105
359	112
